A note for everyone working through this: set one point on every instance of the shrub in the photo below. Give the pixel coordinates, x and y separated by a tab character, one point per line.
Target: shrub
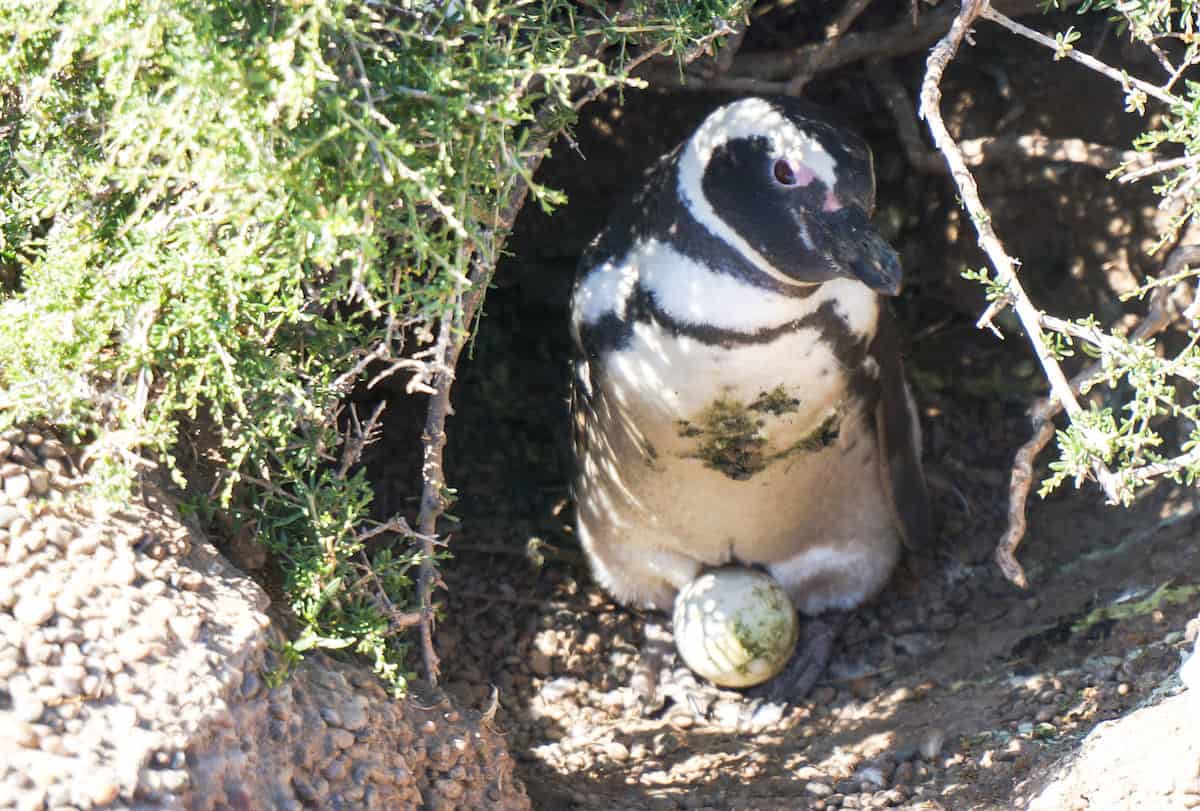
232	212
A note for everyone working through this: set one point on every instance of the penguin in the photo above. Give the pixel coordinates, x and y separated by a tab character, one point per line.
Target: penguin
738	393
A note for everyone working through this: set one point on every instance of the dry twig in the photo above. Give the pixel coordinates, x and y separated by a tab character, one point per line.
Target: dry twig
1031	319
1004	265
773	72
441	361
833	34
1159	315
1125	80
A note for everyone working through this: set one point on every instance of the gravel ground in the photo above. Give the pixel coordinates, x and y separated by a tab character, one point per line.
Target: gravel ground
970	702
133	674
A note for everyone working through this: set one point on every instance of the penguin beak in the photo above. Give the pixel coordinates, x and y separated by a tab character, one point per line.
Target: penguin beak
856	249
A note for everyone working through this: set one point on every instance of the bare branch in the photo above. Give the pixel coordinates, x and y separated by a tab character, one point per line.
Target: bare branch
896	99
1159	315
1018	492
902	38
1005	268
1121	78
358	437
977	150
773	71
1058	150
397	620
1166	467
833	33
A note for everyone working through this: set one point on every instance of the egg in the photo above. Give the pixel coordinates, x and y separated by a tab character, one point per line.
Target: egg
735	626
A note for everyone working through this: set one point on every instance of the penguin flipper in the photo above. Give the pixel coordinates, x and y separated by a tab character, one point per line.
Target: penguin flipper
898	429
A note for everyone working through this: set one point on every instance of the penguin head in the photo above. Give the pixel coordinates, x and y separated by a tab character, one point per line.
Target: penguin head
791	193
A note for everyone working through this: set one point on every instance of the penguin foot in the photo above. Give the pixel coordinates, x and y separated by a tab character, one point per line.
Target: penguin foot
661	682
808	662
658	650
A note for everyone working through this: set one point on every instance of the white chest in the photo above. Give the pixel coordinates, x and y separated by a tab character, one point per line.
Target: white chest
788	381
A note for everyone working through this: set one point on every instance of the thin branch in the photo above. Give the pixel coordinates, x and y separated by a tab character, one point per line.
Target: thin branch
902	38
1159	315
358	437
1105	342
977	150
451	338
773	71
1058	150
731	47
453	333
397	620
896	99
1125	80
399	525
1166	467
939	58
833	34
1018	492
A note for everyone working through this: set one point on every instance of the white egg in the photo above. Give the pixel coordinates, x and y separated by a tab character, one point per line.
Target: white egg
735	627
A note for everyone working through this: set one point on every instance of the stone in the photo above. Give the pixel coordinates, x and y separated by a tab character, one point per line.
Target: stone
17	486
39	481
33	610
931	743
8	514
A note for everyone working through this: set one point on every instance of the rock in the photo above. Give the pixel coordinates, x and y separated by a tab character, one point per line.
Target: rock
39	481
152	692
818	789
1189	671
931	743
28	708
33	610
615	750
8	514
1146	759
17	487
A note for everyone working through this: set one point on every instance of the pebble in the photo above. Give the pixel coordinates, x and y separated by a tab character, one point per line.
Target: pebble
33	610
28	708
615	750
18	486
8	514
103	789
21	456
727	714
121	572
341	738
19	732
931	743
185	628
768	714
39	480
818	789
450	789
558	689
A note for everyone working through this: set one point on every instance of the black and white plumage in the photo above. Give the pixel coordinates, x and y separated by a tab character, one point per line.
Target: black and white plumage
739	395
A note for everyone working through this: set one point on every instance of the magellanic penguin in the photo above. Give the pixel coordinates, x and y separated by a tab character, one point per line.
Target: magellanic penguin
738	394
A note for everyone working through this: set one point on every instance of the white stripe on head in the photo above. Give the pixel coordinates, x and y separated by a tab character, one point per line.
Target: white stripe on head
748	118
605	289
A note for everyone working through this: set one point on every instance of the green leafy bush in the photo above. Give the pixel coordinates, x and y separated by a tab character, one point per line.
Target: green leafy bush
232	211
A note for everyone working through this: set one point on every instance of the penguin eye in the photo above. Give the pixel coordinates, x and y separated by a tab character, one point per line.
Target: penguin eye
785	175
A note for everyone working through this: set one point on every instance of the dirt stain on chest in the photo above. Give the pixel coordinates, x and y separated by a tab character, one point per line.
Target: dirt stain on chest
728	434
